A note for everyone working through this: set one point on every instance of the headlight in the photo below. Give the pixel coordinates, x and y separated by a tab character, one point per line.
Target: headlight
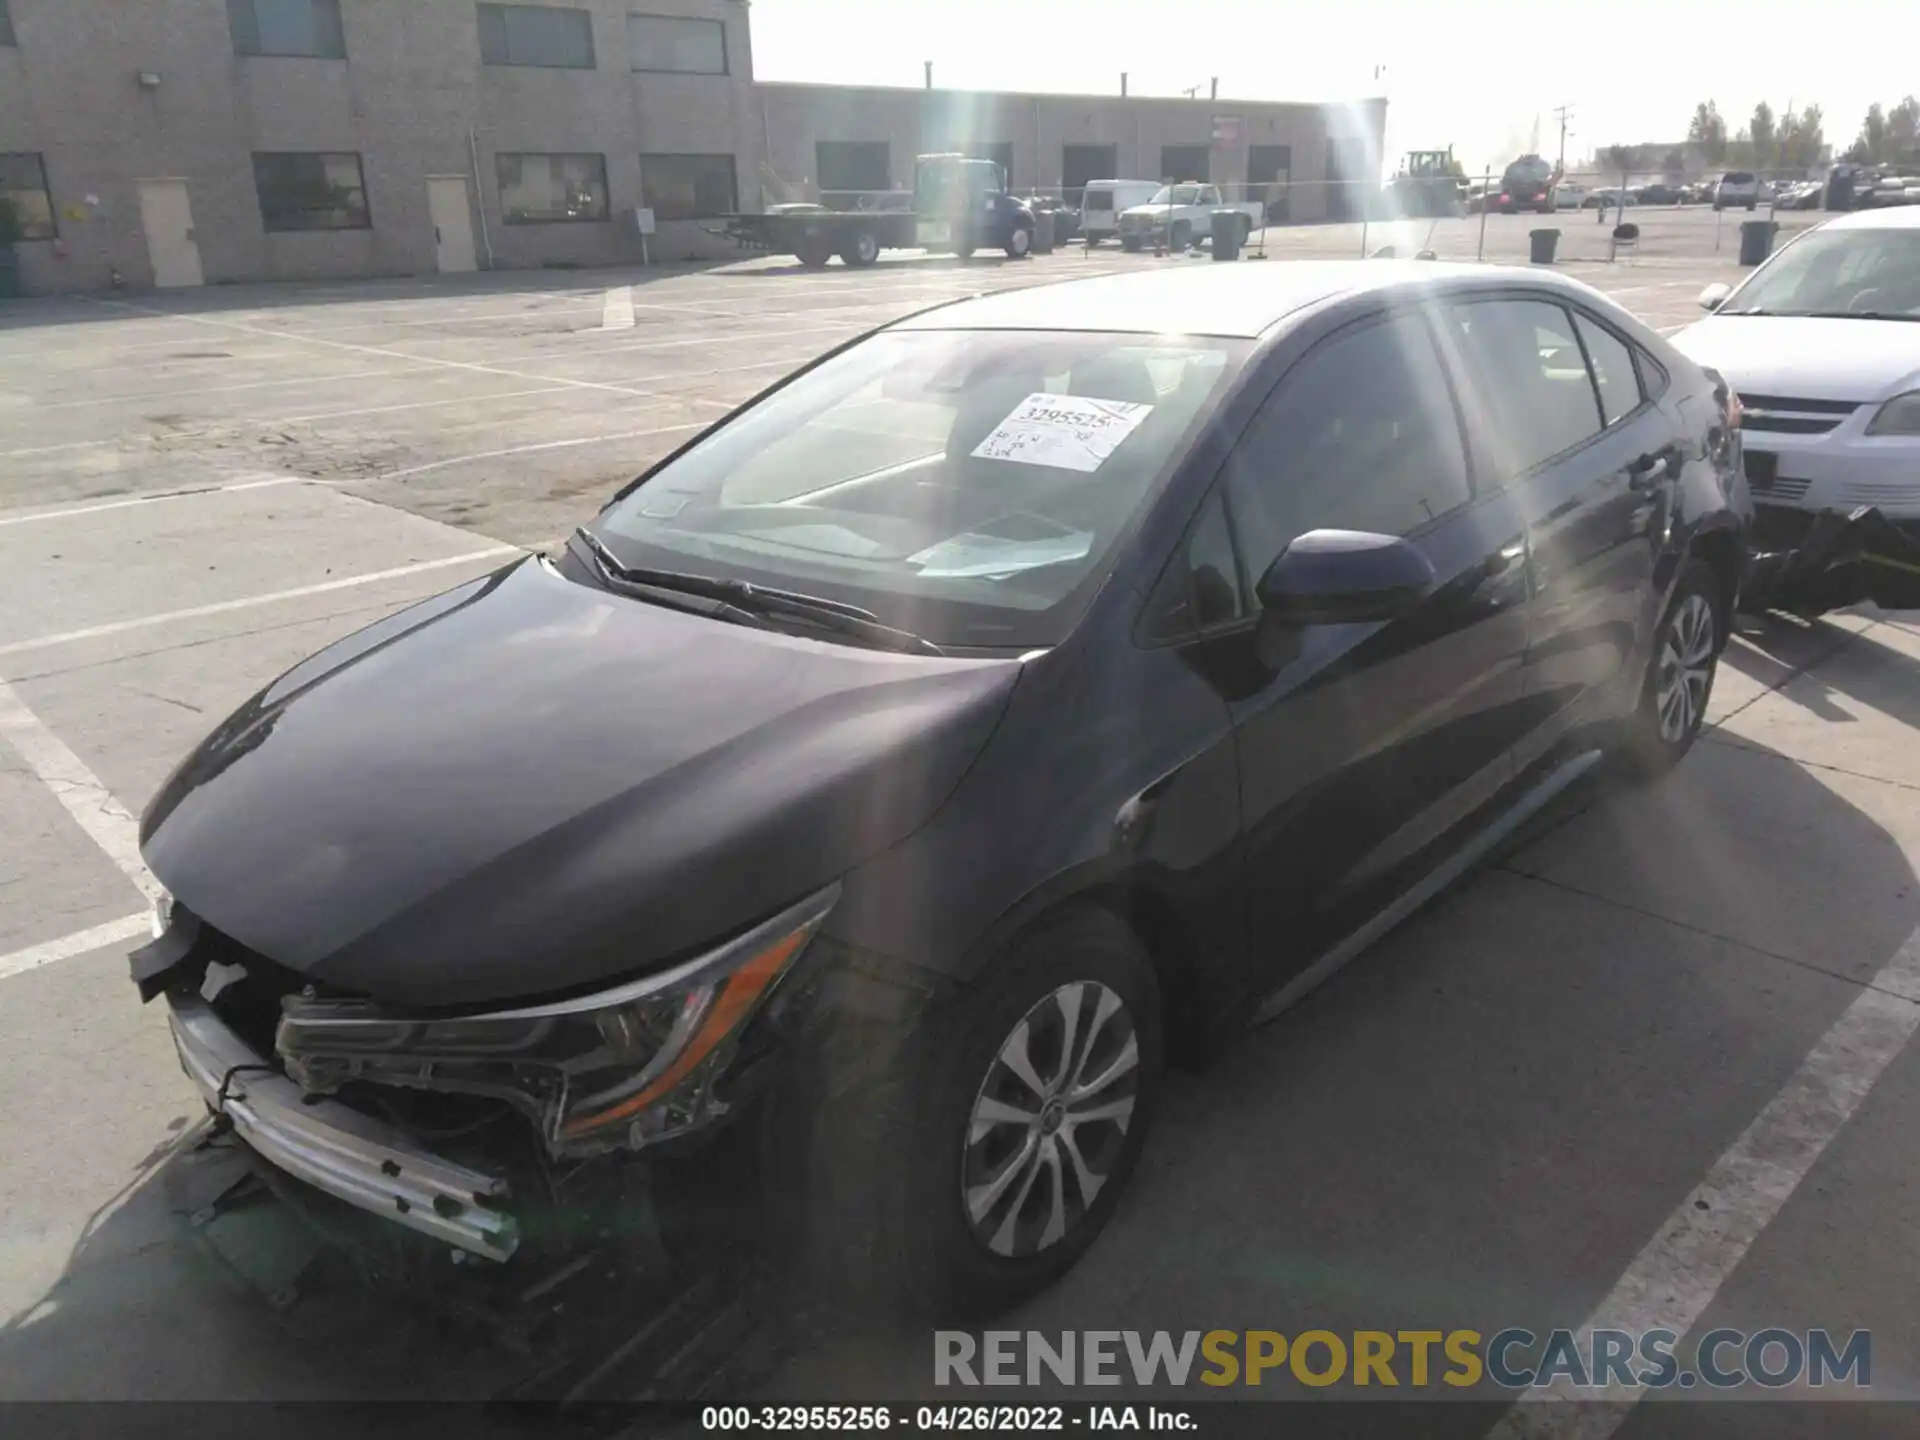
624	1067
1899	416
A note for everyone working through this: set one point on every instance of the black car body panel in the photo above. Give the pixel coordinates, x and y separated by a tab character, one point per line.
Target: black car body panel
530	785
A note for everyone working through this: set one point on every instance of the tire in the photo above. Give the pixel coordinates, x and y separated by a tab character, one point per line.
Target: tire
1130	244
1751	204
1092	241
928	1248
1679	682
813	251
1019	243
1181	237
963	251
862	250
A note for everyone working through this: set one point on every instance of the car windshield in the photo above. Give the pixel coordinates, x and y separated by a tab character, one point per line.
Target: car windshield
1176	195
1838	272
969	486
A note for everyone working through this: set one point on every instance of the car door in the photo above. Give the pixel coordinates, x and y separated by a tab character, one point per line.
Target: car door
1362	746
1558	416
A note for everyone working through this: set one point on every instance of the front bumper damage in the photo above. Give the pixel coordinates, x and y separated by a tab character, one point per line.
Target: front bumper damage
353	1157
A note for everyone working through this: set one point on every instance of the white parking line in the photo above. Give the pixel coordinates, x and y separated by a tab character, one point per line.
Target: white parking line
167	397
94	632
93	807
155	499
394	354
114	932
1674	1279
617	312
530	449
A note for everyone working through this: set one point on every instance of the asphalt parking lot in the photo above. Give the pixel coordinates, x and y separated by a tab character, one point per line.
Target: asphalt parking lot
1649	1067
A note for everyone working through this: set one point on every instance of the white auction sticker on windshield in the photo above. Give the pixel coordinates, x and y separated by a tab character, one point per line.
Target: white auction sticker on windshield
1068	432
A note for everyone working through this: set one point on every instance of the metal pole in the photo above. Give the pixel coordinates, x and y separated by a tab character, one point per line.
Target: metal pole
480	197
1486	188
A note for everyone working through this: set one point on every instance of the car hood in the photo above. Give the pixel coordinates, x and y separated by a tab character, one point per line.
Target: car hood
528	785
1807	359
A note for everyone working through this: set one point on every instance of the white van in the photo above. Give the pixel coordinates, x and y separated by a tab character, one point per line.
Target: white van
1102	202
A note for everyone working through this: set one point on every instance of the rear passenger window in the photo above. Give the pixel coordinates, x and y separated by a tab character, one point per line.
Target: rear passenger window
1362	435
1613	373
1529	392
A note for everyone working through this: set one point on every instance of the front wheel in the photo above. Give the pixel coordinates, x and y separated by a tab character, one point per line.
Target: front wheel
1092	241
813	251
1130	244
1686	655
1019	243
1028	1100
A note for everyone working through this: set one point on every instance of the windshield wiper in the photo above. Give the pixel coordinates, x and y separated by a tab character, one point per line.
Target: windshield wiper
639	586
758	602
1862	315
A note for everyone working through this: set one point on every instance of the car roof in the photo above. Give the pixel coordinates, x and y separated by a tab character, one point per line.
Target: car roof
1186	298
1896	217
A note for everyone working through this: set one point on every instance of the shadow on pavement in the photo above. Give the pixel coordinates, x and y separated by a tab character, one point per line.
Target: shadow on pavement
1476	1125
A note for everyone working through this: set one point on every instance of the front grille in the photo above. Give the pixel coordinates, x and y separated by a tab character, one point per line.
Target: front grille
1791	415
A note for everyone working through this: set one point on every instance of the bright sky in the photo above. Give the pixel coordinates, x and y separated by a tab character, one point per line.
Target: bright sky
1473	76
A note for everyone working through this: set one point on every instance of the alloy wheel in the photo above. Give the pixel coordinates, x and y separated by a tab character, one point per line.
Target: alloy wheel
1050	1120
1686	668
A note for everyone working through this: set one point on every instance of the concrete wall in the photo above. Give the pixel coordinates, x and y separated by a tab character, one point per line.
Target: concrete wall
413	99
406	97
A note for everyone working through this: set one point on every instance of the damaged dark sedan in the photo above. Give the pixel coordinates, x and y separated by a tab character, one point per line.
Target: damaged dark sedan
1018	699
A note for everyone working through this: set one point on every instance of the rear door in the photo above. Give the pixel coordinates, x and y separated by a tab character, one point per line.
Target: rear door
1362	746
1559	417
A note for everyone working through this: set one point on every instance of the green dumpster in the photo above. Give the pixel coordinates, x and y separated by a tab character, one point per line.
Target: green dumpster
1541	244
1227	226
1756	240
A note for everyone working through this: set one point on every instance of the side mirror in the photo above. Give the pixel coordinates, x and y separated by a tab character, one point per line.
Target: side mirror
1715	295
1344	577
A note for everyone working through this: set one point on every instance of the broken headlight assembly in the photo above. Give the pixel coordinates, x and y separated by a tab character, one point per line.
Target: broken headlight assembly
620	1069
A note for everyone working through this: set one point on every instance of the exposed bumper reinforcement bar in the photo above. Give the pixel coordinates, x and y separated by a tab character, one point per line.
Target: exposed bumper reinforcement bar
350	1156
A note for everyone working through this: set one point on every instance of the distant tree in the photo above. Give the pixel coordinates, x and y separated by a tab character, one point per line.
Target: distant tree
1809	138
1871	146
1674	163
1903	130
1764	132
1708	132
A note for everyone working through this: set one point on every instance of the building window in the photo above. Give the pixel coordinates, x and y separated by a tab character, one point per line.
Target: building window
683	47
1081	163
1185	162
552	189
687	187
847	169
287	27
23	187
6	26
311	192
541	35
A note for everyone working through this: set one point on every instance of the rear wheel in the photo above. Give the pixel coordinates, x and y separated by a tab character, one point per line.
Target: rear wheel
862	250
1679	683
813	251
1130	243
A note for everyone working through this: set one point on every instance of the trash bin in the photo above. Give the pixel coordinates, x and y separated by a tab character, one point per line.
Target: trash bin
1043	232
9	273
1541	245
1756	240
1226	234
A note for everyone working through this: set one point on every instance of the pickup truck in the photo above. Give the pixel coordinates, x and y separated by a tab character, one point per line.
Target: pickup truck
1178	215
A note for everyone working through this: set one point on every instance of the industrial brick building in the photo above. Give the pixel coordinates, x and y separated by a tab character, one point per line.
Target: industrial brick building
184	142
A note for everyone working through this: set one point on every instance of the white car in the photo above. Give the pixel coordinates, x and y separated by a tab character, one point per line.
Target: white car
1822	345
1737	188
1177	215
1568	195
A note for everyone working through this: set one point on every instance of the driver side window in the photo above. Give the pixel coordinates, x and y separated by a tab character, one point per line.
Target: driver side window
1361	435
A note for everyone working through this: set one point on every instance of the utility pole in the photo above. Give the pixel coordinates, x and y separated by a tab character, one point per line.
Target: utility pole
1563	113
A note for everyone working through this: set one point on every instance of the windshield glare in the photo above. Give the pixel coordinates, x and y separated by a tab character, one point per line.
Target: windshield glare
969	486
1838	272
1176	195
